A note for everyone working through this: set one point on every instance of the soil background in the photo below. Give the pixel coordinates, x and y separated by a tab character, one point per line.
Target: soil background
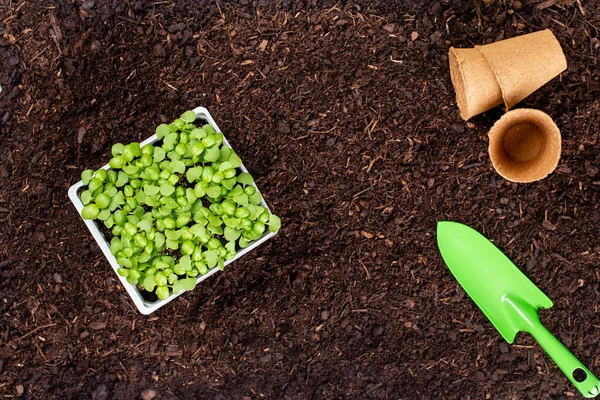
345	114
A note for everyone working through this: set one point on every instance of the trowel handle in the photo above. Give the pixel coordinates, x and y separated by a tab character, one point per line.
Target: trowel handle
587	384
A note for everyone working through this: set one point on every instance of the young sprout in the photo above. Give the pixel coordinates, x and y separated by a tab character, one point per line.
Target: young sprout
176	209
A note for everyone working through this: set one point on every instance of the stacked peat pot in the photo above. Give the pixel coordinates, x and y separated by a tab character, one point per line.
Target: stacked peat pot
525	144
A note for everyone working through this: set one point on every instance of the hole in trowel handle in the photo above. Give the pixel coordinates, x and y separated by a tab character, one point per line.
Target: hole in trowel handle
579	375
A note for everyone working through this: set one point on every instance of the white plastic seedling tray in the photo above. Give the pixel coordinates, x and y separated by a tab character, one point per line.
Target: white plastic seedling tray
144	306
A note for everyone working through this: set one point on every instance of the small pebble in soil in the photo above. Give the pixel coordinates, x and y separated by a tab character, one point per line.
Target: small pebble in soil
148	394
97	325
95	46
391	28
20	390
100	393
458	128
283	126
159	50
40	237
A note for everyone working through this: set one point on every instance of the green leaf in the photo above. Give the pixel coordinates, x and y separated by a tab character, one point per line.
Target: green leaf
172	244
162	292
178	166
177	286
224	166
229	183
152	201
109	222
104	214
225	154
115	246
213	191
201	219
149	283
166	189
245	178
243	243
214	220
216	229
236	191
231	234
198	230
178	269
212	154
160	278
151	190
210	257
124	262
208	128
164	211
274	223
122	179
173	235
230	246
159	240
190	196
235	160
241	199
170	202
145	225
231	222
256	198
193	174
169	141
144	257
110	191
188	283
86	176
186	262
131	169
119	198
168	259
86	197
159	154
162	130
188	116
197	133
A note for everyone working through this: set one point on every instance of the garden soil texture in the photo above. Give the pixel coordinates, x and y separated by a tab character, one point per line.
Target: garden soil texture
345	115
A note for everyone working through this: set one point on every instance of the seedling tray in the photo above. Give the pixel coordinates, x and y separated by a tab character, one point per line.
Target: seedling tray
144	306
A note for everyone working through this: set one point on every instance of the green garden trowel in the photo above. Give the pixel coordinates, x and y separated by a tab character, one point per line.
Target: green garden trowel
506	296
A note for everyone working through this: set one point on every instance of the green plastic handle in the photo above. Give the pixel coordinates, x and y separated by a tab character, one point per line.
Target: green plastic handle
581	377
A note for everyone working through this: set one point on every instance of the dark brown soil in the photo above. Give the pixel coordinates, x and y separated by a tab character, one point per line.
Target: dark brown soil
345	114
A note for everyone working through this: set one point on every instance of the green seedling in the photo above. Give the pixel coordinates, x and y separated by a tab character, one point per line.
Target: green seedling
176	210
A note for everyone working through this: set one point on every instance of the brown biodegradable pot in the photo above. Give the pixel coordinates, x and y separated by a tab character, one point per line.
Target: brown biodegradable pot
504	72
477	89
524	145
